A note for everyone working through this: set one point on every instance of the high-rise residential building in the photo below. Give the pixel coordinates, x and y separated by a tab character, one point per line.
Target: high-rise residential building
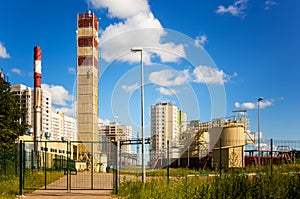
167	121
46	112
54	126
87	76
63	127
27	102
26	95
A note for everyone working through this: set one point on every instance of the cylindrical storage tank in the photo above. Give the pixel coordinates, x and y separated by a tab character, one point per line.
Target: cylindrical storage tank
233	135
232	143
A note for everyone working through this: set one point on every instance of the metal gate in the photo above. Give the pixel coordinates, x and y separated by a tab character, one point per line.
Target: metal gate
68	165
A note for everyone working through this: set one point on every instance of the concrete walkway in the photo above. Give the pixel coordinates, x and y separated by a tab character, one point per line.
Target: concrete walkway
52	194
82	180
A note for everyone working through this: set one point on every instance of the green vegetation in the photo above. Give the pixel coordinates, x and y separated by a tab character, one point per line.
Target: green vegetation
234	184
10	187
38	181
11	114
159	172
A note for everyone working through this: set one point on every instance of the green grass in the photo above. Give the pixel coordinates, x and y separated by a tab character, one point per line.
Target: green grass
158	172
36	180
10	187
282	182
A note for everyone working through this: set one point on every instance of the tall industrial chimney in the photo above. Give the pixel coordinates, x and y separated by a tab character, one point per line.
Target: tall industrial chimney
37	124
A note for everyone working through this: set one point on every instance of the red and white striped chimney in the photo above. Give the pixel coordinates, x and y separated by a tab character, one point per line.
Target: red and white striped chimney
37	124
37	66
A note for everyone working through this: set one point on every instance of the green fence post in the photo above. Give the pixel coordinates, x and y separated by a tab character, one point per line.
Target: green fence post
4	164
92	167
117	167
68	179
168	157
16	161
45	164
21	169
220	157
32	160
23	162
271	156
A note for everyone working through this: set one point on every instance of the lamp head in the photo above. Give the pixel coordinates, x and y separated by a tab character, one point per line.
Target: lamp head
260	99
136	49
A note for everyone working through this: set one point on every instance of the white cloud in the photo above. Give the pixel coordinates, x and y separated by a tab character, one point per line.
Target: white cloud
122	9
166	91
200	40
3	53
200	74
266	103
60	96
252	105
71	70
269	4
68	111
236	9
209	75
247	105
104	122
17	71
169	77
131	88
139	27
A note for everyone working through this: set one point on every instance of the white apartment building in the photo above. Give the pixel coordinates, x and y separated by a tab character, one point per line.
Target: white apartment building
46	112
167	121
54	126
63	127
27	101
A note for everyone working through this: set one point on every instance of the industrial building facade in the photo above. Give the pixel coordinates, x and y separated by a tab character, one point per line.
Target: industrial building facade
87	76
167	121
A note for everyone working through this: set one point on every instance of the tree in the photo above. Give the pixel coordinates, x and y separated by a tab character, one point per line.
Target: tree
11	114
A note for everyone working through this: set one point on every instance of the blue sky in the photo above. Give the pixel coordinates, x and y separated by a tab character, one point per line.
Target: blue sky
208	57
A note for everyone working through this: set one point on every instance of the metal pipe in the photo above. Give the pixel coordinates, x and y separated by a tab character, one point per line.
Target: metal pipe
142	113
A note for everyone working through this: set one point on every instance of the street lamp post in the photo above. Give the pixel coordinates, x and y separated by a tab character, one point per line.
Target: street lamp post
142	112
258	129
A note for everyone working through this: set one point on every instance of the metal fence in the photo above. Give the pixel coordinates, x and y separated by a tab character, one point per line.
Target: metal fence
95	165
225	154
66	166
9	164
